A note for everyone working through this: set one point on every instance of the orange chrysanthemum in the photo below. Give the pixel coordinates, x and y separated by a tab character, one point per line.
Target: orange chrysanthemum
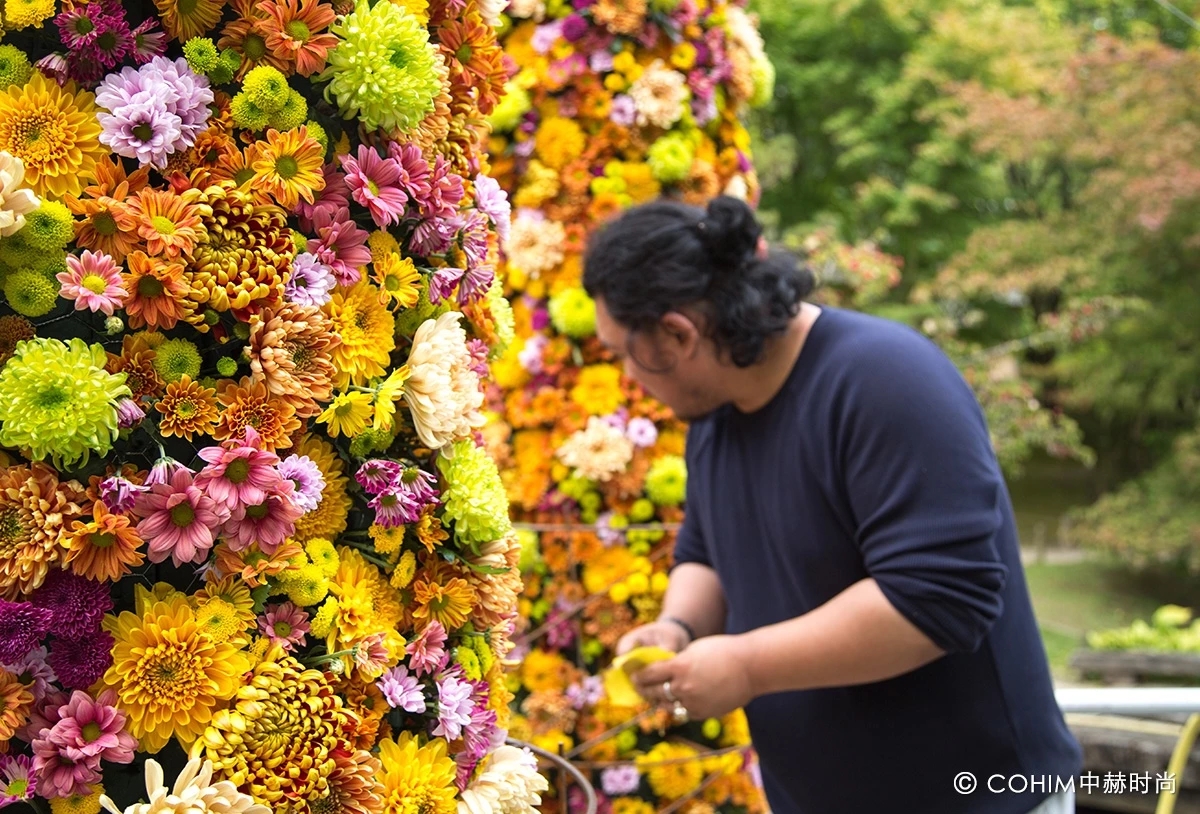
288	166
169	223
247	34
188	409
291	350
136	361
13	329
429	530
250	404
16	701
184	19
169	675
156	291
470	46
449	603
107	226
198	161
252	566
105	549
53	130
294	32
35	512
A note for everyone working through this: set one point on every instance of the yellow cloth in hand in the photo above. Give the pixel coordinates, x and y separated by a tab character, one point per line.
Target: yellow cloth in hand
617	684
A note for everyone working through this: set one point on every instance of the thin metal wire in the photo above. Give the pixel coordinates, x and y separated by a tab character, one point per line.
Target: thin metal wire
597	528
1182	15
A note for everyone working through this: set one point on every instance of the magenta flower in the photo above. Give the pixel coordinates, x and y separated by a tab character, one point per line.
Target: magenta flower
119	494
284	624
454	708
335	196
340	244
239	472
492	200
79	27
80	664
375	183
113	42
93	280
419	484
90	727
178	520
61	776
402	690
304	473
480	734
475	284
443	283
427	653
395	508
148	42
129	414
268	522
18	782
479	352
22	628
377	474
433	236
78	604
311	282
414	170
475	238
446	191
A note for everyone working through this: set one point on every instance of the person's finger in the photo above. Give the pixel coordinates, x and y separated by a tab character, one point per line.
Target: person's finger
655	674
629	641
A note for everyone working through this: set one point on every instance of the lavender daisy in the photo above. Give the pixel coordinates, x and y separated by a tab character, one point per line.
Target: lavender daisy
642	432
311	282
492	201
402	690
454	708
22	627
620	780
310	483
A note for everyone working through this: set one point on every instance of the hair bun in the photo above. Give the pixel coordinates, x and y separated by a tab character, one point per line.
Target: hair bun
730	232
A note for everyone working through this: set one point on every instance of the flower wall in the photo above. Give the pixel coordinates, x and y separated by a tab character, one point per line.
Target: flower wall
251	547
612	103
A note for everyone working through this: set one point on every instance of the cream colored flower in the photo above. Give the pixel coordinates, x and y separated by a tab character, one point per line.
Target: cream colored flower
194	793
659	94
15	200
535	245
491	10
597	452
527	9
509	784
442	391
743	32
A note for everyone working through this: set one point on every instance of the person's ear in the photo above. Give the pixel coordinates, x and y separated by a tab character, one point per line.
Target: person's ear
680	332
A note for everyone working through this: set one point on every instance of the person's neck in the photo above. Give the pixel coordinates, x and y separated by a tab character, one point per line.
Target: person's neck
755	386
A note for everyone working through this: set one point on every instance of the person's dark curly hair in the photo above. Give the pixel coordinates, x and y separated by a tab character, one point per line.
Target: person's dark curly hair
662	256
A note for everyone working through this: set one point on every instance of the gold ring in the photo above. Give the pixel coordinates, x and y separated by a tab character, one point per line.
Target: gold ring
670	696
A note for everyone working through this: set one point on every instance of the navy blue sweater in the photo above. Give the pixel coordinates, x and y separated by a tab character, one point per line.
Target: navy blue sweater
874	460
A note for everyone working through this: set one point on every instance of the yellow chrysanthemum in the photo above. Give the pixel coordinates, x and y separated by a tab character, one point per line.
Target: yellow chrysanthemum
382	244
559	141
53	130
673	769
367	331
598	389
328	520
387	539
367	603
323	555
169	675
417	778
288	166
348	414
232	590
20	14
78	803
219	619
398	280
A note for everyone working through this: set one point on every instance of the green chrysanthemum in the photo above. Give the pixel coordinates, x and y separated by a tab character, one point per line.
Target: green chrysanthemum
512	107
14	66
50	226
177	357
223	72
573	313
408	320
227	366
762	72
267	87
671	157
30	293
666	482
384	72
201	54
291	115
502	316
246	114
16	252
57	400
317	132
474	497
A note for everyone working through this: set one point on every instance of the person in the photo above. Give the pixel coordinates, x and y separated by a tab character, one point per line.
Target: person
848	568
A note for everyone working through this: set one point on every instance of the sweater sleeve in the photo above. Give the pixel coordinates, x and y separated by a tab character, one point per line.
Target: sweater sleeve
925	490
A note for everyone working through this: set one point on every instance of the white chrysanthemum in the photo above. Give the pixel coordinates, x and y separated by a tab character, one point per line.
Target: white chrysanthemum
527	10
743	33
535	245
490	11
442	391
194	793
16	200
659	95
597	452
510	784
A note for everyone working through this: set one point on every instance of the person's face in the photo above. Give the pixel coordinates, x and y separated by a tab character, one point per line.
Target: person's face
675	364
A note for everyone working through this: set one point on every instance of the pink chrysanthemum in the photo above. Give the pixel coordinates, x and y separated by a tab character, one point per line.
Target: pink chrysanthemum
375	183
239	472
334	196
414	170
178	520
455	706
340	244
402	690
427	653
119	494
377	475
434	236
284	624
22	628
268	522
304	473
18	782
395	508
36	674
93	280
61	776
90	727
371	655
446	191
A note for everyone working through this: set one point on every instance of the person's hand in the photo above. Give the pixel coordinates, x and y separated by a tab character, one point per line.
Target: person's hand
667	635
710	678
